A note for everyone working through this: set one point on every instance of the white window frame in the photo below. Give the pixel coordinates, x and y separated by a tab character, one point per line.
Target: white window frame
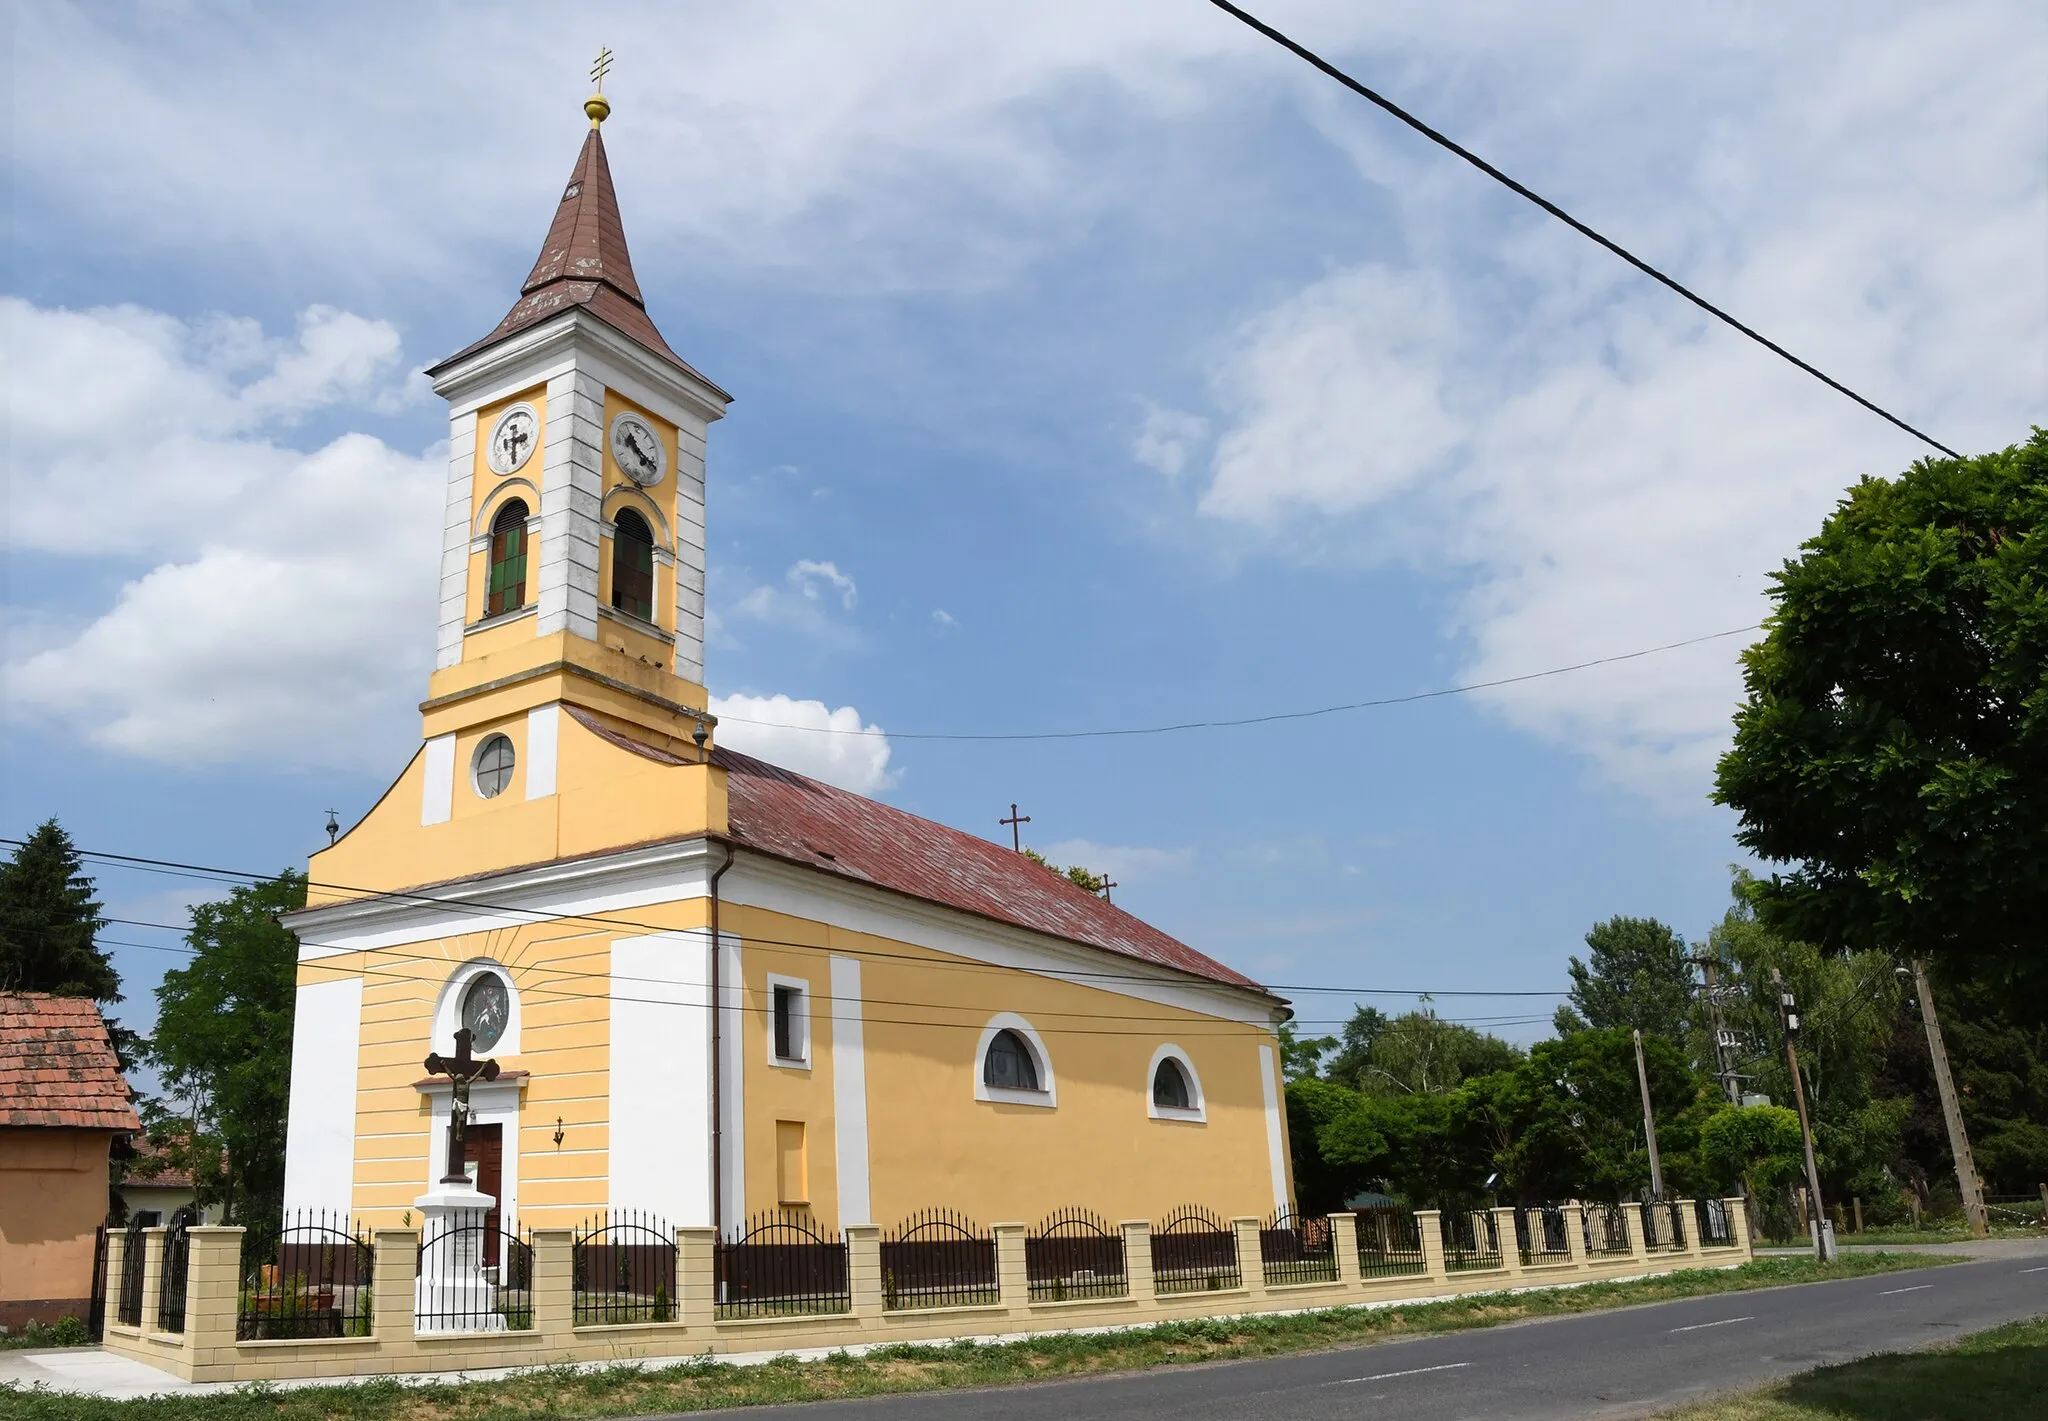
799	1018
448	1010
1198	1108
1046	1097
476	763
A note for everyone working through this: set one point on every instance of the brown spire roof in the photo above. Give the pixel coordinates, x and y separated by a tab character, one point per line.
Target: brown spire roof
584	263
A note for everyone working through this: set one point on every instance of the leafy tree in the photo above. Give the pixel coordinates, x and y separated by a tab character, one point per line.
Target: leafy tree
1354	1049
48	920
1754	1145
1073	873
1893	745
1419	1053
223	1046
1301	1057
1321	1184
1636	976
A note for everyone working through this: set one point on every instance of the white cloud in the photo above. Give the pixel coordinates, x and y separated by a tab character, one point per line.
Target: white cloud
1126	863
943	618
808	737
806	577
1167	438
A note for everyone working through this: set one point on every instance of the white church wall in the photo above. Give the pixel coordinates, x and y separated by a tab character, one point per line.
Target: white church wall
660	1128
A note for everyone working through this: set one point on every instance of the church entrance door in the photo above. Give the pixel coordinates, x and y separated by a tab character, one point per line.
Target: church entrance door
485	1146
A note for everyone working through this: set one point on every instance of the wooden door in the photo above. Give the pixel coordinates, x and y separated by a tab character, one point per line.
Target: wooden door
485	1146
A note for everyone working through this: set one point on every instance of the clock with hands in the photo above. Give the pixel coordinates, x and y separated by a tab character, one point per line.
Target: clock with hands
638	450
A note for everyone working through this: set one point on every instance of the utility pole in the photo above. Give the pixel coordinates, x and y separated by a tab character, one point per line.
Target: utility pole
1788	1018
1951	1109
1649	1122
1724	1039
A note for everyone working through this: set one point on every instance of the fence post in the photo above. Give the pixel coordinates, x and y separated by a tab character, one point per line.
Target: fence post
1344	1246
864	1268
395	1269
1138	1259
1429	1230
554	1283
1575	1232
1510	1242
117	1257
696	1276
1251	1258
1738	1226
1686	1223
1013	1279
213	1276
1632	1220
152	1276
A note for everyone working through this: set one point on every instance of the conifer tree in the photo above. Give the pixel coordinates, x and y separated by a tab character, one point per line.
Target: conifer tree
48	920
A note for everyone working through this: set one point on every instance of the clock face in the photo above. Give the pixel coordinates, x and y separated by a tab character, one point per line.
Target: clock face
513	439
485	1006
638	450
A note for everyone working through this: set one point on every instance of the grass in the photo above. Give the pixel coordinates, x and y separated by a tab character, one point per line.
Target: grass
2003	1372
1906	1233
703	1385
66	1331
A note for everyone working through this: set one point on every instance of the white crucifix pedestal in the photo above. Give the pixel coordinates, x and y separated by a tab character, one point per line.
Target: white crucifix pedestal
457	1291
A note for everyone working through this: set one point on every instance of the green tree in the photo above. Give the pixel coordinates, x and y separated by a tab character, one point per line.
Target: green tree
48	921
1635	976
1892	748
1301	1057
223	1046
1419	1053
1757	1146
1354	1048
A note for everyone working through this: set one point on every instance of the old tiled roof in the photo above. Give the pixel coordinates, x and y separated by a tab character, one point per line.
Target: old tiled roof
57	1066
584	263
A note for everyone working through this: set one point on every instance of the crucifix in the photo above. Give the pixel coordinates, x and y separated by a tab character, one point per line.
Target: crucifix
1107	884
461	1069
1016	821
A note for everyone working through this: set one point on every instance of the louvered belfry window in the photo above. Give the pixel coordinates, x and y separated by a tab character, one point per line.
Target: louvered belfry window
633	566
506	589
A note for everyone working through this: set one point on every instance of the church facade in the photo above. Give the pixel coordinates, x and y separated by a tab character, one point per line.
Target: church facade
713	988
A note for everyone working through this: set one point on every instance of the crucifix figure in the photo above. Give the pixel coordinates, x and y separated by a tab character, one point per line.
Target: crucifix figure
461	1069
1015	821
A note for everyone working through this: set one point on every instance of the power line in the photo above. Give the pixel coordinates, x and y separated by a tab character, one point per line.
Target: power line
1240	721
1304	53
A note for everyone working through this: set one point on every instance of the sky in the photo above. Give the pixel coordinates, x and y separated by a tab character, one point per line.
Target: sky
1097	367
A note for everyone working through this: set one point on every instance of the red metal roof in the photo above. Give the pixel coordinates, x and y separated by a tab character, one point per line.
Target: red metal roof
57	1066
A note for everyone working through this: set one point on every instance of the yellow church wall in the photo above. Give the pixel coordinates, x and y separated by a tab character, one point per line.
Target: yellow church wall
774	1092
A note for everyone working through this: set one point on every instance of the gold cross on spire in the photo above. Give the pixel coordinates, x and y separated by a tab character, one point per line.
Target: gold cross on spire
597	105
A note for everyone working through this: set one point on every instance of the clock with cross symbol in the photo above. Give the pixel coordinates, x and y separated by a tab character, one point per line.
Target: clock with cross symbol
512	439
638	450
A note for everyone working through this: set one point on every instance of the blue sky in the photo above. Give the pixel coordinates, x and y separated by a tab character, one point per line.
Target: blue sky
1096	366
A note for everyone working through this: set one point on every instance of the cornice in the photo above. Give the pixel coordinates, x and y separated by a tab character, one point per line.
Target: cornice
522	357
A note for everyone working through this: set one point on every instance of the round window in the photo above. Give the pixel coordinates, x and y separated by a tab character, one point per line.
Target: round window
493	766
485	1006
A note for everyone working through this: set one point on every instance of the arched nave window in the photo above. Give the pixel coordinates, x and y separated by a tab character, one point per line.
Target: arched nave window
633	566
1008	1063
505	590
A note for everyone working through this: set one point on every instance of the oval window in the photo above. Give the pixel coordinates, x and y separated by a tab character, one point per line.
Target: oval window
486	1005
494	760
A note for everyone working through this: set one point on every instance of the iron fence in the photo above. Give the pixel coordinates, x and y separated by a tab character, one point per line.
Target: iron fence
1297	1250
96	1308
1663	1226
1712	1225
1471	1240
1540	1235
474	1276
308	1275
938	1259
1606	1230
170	1283
623	1269
1192	1251
1389	1242
780	1265
1074	1254
128	1310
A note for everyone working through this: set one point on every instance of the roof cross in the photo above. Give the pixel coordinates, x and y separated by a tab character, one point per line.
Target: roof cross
1016	821
1107	884
600	67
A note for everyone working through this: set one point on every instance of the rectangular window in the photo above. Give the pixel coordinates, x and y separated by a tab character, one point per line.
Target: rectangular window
792	1173
789	1022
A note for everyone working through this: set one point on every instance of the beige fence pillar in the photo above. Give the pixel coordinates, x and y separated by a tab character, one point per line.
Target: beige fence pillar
213	1294
1344	1246
117	1254
554	1285
1575	1232
395	1272
152	1277
1013	1279
1504	1232
1251	1261
1688	1227
1429	1228
1738	1226
696	1276
864	1269
1138	1258
1632	1220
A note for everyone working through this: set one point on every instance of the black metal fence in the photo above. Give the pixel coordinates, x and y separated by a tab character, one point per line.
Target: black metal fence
938	1259
1713	1225
128	1310
1297	1250
1074	1254
1663	1225
308	1275
1389	1242
1471	1240
623	1267
474	1276
1541	1236
96	1308
1606	1230
781	1265
1194	1251
177	1266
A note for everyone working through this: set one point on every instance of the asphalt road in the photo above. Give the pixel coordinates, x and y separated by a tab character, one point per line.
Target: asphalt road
1631	1362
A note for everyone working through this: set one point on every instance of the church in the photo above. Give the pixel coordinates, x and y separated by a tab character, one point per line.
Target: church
712	988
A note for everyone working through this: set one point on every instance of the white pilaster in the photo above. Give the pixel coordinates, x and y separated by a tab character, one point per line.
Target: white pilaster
689	569
543	735
455	539
849	1093
437	781
571	499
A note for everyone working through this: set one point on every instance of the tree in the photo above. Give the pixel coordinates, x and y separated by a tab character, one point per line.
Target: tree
223	1046
48	921
1757	1146
1301	1057
1354	1049
1419	1053
1892	748
1637	977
